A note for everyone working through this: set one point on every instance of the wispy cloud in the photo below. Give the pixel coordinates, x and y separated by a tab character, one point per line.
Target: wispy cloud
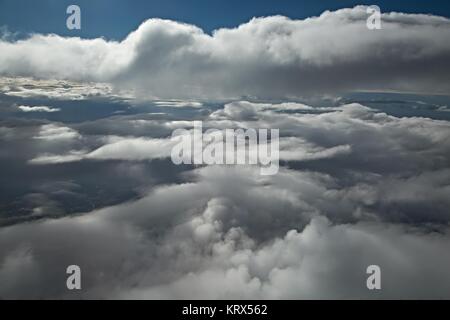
38	109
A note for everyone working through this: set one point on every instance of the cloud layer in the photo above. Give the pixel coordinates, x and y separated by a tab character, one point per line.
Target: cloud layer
266	57
357	187
93	183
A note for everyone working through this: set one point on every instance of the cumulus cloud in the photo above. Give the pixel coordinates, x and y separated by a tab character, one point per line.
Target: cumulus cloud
357	137
306	265
358	187
382	164
292	148
227	234
266	57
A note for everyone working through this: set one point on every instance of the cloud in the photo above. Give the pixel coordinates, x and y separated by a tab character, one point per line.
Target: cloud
387	168
134	149
179	104
322	261
24	87
359	187
266	57
54	132
356	186
38	109
228	234
297	149
140	148
72	156
358	138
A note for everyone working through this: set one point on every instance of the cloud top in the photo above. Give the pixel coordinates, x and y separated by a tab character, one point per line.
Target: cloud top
266	57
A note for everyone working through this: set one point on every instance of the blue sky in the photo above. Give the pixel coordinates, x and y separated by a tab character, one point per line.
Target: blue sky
114	19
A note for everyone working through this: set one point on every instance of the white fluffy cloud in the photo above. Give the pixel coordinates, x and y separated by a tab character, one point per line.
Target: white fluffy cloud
38	109
273	56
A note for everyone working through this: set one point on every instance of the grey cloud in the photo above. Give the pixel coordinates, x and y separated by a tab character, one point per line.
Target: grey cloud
203	240
381	158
